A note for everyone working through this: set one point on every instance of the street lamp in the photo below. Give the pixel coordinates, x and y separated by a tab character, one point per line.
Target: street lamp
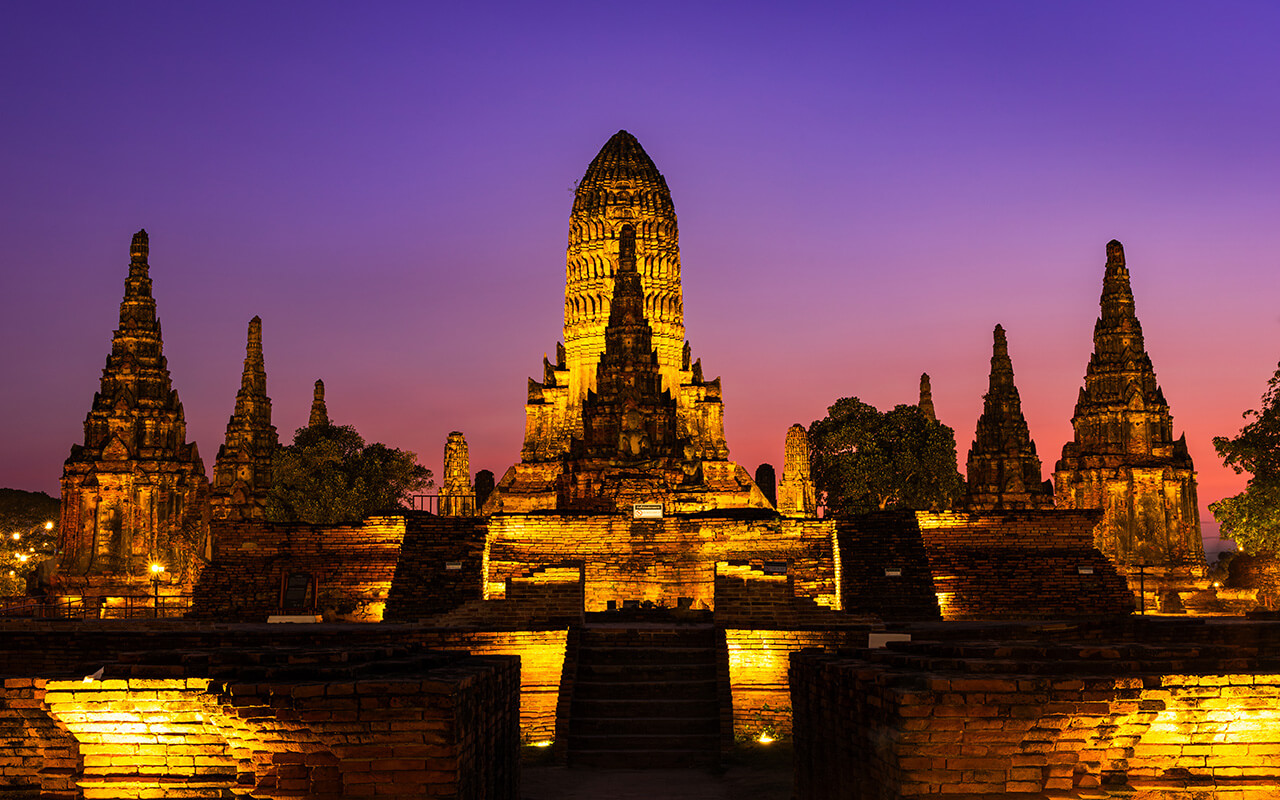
156	569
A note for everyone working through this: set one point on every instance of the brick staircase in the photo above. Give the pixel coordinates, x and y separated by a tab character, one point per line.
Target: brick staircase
647	696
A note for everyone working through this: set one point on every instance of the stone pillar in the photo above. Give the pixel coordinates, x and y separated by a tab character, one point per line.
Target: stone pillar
456	496
795	489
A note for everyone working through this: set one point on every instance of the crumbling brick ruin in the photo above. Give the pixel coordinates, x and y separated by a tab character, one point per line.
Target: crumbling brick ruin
242	471
1003	468
134	493
1124	459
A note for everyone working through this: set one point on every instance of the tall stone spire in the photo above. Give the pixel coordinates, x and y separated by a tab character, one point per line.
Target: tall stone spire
457	498
629	415
242	471
1003	468
319	411
624	414
795	491
135	492
622	186
926	398
1123	458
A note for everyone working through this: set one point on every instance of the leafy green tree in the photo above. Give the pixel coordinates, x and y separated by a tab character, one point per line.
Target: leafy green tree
1252	517
329	476
864	460
28	536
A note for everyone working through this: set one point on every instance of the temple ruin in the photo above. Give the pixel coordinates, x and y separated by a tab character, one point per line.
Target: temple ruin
1003	468
1124	459
134	493
242	471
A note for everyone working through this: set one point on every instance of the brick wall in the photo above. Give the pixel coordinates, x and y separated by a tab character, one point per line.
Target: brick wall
660	561
1133	710
441	566
990	565
337	722
352	567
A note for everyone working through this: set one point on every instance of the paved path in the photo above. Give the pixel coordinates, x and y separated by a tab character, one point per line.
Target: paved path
583	783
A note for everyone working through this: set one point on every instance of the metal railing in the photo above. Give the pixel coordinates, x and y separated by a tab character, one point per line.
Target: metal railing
455	505
96	607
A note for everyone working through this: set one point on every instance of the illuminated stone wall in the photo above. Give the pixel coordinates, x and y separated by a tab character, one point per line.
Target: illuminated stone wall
988	565
351	567
1148	711
758	665
423	725
658	560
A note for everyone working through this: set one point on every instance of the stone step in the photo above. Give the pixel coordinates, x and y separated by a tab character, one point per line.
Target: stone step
654	726
644	742
643	759
672	689
644	709
646	672
646	656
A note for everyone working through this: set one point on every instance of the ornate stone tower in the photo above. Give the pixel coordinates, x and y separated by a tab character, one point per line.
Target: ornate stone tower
457	499
319	411
624	357
621	187
1124	459
926	398
242	471
1004	470
135	492
795	490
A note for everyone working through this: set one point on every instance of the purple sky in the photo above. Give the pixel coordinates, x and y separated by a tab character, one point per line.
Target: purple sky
864	191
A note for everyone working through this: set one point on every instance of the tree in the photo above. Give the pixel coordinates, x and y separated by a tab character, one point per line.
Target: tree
1252	517
329	476
28	536
864	460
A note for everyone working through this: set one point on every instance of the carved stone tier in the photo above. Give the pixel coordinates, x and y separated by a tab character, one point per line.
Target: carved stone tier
1003	469
242	471
1124	459
624	413
135	492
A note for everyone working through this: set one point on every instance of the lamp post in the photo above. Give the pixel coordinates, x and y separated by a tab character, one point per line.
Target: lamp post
156	569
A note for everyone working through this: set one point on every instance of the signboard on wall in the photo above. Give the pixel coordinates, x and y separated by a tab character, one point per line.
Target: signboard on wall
646	510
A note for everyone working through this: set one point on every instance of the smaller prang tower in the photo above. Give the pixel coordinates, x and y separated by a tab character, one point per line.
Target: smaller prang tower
1124	459
796	496
242	471
135	493
1003	470
457	497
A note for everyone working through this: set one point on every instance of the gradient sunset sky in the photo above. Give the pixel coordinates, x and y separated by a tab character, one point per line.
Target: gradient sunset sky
863	189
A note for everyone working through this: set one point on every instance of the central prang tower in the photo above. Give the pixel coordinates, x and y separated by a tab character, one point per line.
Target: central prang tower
621	187
623	238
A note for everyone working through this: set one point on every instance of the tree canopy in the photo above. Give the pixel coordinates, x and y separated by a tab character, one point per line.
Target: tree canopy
865	460
29	531
1252	518
329	476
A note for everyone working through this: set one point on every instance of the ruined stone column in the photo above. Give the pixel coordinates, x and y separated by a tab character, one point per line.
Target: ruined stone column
457	499
795	489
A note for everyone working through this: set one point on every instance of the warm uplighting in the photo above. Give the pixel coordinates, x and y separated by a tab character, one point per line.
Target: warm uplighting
764	738
543	743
